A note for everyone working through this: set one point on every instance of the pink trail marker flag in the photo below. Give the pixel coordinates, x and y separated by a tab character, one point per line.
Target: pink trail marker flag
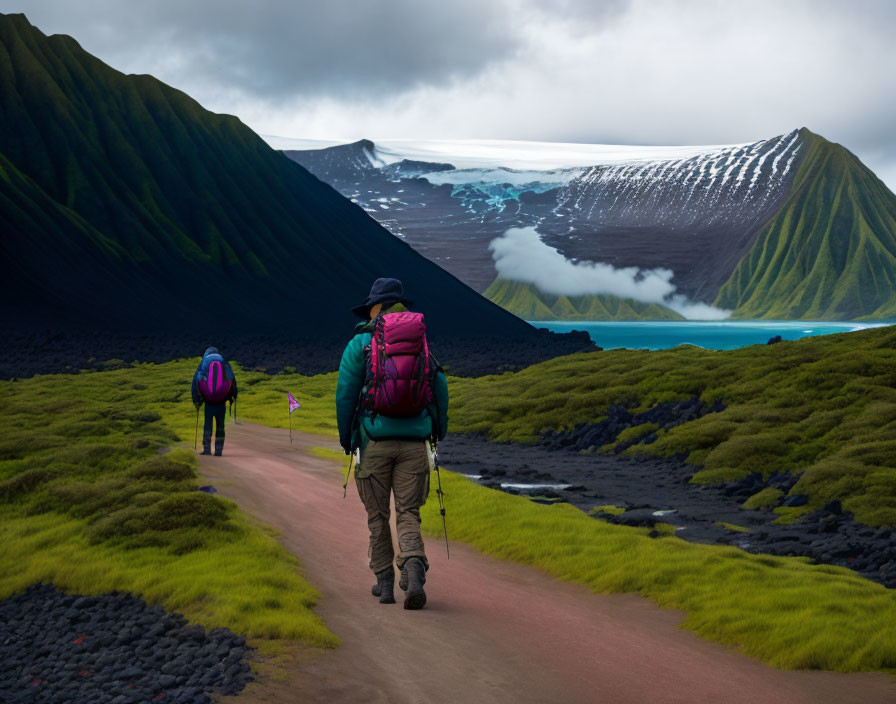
293	405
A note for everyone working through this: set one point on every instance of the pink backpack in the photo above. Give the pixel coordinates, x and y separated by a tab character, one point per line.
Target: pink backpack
214	384
399	367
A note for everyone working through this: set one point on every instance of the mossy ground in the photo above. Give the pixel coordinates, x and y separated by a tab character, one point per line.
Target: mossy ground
823	406
815	406
88	503
766	498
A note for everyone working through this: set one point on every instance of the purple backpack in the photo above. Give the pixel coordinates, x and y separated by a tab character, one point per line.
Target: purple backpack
214	384
398	366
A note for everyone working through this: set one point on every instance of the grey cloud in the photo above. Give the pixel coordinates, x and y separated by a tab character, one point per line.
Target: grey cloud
288	48
610	71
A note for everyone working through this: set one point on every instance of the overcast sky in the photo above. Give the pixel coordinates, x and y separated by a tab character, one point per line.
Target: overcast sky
611	71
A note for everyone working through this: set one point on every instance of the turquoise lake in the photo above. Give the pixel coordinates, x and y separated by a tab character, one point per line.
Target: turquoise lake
724	335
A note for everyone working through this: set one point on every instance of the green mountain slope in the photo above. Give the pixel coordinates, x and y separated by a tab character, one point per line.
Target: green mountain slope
126	205
530	303
829	253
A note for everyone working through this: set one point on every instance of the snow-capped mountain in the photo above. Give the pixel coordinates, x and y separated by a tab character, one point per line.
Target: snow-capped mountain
648	207
696	211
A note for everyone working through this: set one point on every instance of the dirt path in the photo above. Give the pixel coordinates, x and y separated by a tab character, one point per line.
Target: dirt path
491	631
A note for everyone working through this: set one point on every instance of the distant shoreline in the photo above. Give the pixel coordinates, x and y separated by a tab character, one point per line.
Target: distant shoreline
707	334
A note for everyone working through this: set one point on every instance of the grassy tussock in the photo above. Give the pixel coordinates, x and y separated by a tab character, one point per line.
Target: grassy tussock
247	583
766	498
732	527
609	509
782	610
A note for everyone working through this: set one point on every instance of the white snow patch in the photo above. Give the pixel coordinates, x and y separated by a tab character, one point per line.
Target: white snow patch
511	154
524	155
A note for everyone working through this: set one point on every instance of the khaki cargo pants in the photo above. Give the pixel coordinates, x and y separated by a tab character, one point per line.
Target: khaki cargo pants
399	467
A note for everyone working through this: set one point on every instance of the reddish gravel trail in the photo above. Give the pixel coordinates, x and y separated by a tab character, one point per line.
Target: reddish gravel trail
491	631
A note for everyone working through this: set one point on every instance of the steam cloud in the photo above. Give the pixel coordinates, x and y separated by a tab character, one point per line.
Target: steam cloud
520	255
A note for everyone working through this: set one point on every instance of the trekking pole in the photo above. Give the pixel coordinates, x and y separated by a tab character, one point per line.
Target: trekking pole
196	437
441	495
347	475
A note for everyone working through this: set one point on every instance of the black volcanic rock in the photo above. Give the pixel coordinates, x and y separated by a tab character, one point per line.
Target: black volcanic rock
592	436
60	351
61	648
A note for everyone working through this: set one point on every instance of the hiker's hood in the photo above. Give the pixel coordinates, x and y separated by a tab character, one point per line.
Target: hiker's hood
211	350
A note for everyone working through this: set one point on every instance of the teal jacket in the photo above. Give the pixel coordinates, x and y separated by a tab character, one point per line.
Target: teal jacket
356	425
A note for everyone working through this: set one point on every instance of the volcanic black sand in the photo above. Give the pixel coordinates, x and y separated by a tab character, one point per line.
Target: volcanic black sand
24	354
658	490
113	649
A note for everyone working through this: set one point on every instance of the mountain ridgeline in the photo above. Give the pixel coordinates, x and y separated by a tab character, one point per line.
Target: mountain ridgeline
789	227
828	253
529	303
128	208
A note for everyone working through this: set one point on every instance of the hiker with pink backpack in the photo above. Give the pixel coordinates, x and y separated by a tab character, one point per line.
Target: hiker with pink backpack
391	404
214	384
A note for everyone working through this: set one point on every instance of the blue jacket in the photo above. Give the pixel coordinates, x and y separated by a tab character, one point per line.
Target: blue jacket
212	355
356	425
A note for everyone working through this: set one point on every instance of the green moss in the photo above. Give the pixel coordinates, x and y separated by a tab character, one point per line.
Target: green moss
790	514
165	468
763	452
611	510
637	432
767	498
731	527
719	475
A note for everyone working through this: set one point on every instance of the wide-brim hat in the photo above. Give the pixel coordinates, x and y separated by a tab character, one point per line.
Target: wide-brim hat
382	291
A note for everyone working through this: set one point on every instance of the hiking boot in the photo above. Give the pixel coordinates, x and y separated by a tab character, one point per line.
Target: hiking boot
415	572
206	452
403	579
217	453
385	586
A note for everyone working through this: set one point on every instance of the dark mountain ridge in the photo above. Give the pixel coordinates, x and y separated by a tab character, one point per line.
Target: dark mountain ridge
127	208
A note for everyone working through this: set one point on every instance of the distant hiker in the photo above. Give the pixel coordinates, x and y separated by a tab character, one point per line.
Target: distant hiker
215	384
391	402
